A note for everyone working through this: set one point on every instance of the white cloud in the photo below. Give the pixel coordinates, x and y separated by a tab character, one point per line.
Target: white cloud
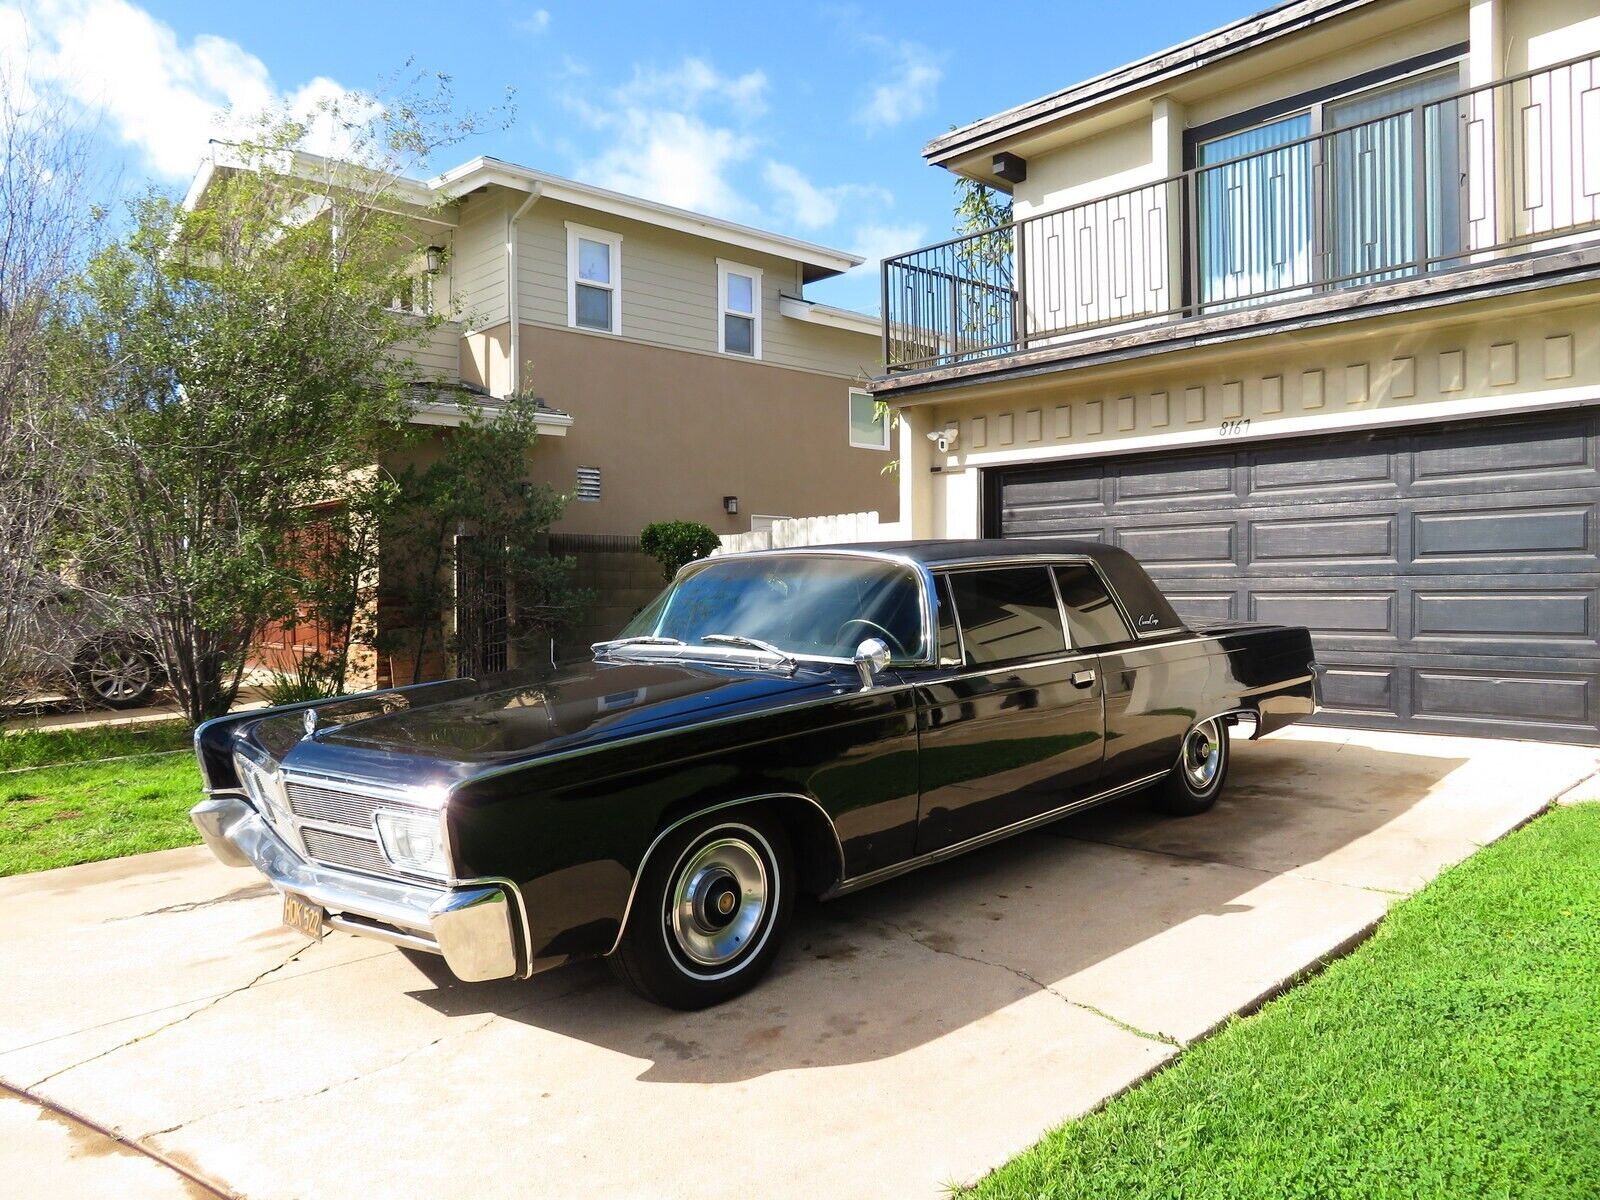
876	242
535	22
907	91
811	206
668	136
693	83
166	99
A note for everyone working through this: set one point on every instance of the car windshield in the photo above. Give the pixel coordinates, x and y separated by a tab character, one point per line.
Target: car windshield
808	606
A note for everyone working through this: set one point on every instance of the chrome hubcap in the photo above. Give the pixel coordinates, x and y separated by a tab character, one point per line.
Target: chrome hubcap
719	900
1202	755
119	674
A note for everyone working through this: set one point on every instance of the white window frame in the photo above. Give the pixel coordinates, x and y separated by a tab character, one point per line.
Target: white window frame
724	269
613	240
850	425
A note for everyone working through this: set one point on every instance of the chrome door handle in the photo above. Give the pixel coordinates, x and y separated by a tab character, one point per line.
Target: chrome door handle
1082	679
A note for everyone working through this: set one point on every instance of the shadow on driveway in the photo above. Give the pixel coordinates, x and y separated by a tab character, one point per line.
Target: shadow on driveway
1079	909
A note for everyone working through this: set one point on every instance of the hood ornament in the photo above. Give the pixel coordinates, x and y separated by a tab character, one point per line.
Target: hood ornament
310	722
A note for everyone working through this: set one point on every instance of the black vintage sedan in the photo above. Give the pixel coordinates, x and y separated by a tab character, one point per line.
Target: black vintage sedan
810	720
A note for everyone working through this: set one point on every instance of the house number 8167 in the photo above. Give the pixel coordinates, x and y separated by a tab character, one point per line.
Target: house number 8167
1234	428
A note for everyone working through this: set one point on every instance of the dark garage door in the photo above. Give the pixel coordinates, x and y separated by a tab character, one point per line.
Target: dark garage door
1448	573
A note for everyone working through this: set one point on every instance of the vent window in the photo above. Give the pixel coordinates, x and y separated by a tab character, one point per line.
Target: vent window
588	484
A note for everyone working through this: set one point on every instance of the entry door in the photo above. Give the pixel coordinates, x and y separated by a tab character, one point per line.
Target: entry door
1014	727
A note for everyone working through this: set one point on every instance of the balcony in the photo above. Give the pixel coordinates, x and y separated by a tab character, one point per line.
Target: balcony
1507	170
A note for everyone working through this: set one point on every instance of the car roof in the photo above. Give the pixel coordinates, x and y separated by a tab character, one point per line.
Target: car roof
952	552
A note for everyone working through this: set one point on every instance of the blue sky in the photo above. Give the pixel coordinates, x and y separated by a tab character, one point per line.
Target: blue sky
804	118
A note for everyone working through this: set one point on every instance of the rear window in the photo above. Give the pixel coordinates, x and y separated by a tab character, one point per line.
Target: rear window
1007	614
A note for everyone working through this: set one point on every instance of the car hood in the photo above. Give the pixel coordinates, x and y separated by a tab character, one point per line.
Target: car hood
462	726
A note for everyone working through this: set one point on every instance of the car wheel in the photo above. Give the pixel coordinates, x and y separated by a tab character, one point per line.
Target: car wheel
115	674
708	913
1198	775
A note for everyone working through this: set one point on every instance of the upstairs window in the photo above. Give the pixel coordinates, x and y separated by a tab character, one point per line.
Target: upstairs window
738	309
594	279
869	429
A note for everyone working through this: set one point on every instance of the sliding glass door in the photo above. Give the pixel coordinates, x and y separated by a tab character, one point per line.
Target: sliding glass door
1337	195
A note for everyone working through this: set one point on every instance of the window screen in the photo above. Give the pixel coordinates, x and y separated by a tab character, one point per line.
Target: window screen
1092	615
1008	614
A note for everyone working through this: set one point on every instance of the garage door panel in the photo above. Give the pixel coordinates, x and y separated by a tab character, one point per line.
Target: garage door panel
1540	531
1449	575
1508	616
1502	458
1190	479
1367	688
1319	539
1365	613
1525	697
1276	474
1188	545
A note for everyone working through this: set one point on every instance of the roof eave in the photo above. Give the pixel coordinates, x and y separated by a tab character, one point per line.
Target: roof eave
1164	66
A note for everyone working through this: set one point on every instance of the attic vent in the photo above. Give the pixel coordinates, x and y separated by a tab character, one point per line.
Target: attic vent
588	483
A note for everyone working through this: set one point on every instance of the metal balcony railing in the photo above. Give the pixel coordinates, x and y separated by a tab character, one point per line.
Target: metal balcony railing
1511	167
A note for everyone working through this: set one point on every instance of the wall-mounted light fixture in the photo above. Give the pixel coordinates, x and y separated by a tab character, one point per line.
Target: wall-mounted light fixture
730	505
435	259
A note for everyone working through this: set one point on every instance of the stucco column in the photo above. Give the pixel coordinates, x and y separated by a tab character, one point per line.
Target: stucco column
1167	117
916	481
1485	42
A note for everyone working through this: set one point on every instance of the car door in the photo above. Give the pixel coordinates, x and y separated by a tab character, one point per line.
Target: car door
1011	724
1139	680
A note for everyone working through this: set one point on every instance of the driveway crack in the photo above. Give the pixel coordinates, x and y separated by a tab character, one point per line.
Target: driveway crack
1161	1038
176	1021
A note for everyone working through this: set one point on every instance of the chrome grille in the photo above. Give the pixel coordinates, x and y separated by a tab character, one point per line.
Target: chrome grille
315	802
344	850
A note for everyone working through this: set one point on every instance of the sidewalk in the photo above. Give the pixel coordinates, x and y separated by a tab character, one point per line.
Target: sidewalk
106	718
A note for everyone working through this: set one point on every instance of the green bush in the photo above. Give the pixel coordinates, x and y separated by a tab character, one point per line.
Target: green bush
673	543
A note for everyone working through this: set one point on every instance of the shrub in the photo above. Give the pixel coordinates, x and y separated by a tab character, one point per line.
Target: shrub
673	543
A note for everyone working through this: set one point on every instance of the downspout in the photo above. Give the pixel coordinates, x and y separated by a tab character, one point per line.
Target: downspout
512	309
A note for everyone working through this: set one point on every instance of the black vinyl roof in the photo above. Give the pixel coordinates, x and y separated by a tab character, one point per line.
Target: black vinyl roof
1149	609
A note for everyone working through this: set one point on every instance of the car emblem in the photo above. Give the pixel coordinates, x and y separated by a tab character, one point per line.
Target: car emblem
310	722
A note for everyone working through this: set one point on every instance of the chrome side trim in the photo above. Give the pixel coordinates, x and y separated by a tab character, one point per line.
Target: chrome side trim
633	888
856	882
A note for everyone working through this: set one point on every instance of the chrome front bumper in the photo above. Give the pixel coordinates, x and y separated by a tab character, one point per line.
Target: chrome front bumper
474	926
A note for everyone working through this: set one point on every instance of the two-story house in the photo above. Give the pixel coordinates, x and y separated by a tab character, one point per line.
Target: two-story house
686	374
1303	313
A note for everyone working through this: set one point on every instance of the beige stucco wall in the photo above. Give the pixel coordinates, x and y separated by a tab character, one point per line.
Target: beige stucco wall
673	432
1540	351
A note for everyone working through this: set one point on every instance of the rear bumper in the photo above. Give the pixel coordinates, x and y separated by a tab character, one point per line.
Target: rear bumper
473	926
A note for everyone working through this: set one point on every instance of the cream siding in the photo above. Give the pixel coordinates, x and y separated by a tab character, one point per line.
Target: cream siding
436	352
479	265
669	292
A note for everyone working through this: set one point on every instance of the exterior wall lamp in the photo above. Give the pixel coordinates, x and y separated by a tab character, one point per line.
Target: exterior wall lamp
435	259
730	505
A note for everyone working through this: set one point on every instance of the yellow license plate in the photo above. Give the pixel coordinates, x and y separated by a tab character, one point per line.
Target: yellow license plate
299	913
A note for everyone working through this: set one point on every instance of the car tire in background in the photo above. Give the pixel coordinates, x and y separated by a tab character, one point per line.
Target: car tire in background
1202	767
709	911
113	672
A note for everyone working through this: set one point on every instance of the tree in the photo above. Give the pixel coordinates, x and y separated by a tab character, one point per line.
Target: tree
674	543
475	500
249	363
46	221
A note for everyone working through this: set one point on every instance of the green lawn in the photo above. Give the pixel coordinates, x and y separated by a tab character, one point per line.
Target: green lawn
37	748
1455	1054
81	810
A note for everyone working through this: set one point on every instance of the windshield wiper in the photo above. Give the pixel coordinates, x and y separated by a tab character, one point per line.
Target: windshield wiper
644	640
739	639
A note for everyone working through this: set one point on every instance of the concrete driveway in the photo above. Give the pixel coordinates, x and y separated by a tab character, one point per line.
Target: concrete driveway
914	1035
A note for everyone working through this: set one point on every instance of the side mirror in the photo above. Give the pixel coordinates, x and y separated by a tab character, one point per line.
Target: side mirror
872	656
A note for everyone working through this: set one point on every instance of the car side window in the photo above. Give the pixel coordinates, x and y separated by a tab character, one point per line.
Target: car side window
1007	613
1092	615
